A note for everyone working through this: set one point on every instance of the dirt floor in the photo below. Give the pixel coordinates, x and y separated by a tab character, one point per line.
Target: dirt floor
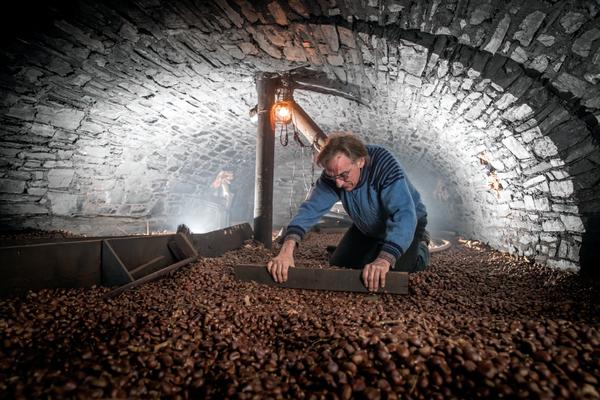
476	324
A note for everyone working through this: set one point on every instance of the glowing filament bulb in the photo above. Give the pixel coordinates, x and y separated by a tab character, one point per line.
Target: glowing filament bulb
283	112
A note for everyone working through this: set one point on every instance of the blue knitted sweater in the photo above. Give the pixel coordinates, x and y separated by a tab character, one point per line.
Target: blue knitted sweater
384	204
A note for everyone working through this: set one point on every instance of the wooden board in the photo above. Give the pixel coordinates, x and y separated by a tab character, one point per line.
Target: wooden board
344	280
150	277
214	244
51	265
133	251
114	272
148	267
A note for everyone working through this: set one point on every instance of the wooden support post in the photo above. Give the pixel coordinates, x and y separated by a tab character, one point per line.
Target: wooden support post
265	160
342	280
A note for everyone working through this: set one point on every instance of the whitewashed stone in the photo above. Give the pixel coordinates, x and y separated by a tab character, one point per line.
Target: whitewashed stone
518	113
566	82
560	174
516	148
43	130
531	134
37	156
572	223
96	151
395	7
129	32
413	59
553	225
442	69
542	204
503	210
334	59
592	78
447	101
265	45
543	187
518	205
565	208
413	80
295	53
60	117
529	203
248	48
544	147
19	175
60	178
563	265
527	239
480	14
278	13
529	27
563	249
519	55
346	37
534	181
330	35
561	188
506	100
35	191
498	36
583	44
11	186
572	21
62	203
548	238
539	63
23	209
546	40
538	168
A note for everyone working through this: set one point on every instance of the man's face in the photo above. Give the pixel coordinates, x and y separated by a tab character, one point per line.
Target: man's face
343	171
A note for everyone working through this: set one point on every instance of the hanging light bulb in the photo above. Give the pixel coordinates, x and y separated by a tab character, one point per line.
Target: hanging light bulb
283	111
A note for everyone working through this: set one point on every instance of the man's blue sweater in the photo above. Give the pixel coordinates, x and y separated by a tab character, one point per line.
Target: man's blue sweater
383	205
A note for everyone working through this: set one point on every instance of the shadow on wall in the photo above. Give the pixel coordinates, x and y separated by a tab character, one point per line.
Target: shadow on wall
589	255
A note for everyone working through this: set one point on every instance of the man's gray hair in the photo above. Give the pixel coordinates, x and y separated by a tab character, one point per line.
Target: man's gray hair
345	143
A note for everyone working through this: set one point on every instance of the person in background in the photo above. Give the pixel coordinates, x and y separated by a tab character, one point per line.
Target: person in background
389	218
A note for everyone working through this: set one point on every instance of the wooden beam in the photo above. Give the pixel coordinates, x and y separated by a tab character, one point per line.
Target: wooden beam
266	86
344	280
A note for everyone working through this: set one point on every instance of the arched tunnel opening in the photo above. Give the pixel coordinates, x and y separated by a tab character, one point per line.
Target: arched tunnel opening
122	120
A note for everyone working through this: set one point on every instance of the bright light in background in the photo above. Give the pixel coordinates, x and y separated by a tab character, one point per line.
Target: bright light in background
207	217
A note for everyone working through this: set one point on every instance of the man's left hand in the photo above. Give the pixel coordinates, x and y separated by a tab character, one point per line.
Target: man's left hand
374	274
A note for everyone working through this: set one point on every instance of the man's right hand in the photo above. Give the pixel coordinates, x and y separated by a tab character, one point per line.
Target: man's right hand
278	266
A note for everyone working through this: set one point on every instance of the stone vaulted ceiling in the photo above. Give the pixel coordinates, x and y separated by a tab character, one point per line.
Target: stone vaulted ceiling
118	114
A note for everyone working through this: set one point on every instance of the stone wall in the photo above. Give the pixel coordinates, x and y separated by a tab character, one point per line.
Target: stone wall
127	111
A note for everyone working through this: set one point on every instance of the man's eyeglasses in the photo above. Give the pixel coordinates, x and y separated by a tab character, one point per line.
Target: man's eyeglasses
344	176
